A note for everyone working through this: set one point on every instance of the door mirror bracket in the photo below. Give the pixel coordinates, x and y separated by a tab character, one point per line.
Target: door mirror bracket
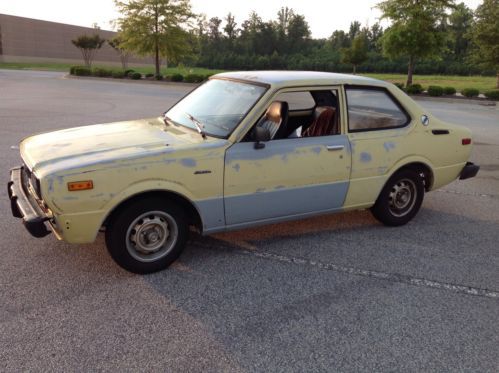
260	135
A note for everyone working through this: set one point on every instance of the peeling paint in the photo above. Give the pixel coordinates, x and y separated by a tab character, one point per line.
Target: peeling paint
317	150
365	157
188	162
352	147
389	145
382	170
51	185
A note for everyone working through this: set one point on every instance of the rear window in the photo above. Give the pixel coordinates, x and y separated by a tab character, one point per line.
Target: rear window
373	109
297	100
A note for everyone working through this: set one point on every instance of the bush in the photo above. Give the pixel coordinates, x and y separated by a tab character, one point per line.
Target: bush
492	95
449	91
435	90
97	71
177	78
158	77
168	78
128	72
118	74
207	76
193	78
135	76
470	92
149	75
414	89
399	85
73	68
82	71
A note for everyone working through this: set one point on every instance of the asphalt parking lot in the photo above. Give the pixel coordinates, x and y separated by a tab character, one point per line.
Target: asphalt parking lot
337	293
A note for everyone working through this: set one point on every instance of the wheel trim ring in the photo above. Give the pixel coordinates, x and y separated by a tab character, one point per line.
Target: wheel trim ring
409	191
168	242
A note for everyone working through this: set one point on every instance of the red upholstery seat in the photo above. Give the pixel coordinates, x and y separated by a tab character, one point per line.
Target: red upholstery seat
324	122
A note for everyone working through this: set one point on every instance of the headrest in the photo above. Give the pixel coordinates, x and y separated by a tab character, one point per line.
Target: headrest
276	111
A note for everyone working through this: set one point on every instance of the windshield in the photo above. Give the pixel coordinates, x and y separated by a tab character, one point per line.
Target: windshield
219	105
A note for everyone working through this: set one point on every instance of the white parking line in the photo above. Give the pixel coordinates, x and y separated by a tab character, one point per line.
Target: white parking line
394	277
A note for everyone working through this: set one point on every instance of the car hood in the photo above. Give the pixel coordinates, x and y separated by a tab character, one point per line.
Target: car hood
103	143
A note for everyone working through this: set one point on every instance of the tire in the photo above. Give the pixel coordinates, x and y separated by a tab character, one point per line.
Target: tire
147	235
400	199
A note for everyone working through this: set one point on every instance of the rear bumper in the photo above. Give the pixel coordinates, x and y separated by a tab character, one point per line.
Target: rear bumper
24	205
470	170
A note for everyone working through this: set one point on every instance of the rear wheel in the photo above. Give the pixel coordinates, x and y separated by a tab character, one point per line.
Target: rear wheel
147	235
400	199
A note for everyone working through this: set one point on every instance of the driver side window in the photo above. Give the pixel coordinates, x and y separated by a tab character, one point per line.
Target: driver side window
302	114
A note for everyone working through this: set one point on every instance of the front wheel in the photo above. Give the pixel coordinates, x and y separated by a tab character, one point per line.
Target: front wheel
400	199
147	235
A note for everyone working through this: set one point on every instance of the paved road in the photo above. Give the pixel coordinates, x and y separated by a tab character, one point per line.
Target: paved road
339	293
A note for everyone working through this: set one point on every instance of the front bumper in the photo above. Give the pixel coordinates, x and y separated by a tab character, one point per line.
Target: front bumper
24	205
470	170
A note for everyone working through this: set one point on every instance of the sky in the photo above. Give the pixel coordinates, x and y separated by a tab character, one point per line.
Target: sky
323	16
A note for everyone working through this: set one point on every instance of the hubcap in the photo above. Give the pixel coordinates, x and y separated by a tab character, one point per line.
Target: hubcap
151	236
402	197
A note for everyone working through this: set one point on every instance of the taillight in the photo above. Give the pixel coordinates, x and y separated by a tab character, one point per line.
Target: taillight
466	141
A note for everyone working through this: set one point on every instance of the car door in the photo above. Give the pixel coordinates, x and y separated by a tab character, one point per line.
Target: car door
288	177
378	127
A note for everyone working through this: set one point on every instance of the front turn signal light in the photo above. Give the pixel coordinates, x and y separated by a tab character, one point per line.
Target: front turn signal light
466	141
80	185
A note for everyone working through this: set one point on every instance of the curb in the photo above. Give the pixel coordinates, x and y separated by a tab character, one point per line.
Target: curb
452	100
138	81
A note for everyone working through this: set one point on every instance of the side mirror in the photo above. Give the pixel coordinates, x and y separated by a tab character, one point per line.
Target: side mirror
260	135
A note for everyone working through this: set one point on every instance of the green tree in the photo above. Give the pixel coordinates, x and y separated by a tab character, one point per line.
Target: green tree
339	39
357	53
416	30
298	34
460	22
354	30
230	27
88	46
155	28
117	44
486	36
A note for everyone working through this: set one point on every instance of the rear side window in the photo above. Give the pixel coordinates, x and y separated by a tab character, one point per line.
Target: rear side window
373	109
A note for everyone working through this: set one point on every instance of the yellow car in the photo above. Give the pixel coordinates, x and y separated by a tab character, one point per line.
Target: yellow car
243	149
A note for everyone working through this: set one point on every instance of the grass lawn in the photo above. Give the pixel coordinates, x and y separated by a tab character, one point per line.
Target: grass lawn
482	83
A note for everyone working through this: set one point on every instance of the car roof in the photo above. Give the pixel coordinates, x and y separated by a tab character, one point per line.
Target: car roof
299	78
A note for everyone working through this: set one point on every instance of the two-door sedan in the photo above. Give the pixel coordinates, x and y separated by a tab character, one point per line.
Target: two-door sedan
243	149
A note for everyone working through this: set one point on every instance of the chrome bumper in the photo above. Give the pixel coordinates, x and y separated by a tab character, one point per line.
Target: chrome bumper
24	205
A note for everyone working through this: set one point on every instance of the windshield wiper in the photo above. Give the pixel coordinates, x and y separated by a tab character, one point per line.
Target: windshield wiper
198	124
166	119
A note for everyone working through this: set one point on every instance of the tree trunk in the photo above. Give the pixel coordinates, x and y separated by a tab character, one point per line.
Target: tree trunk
156	41
497	80
156	58
410	71
354	69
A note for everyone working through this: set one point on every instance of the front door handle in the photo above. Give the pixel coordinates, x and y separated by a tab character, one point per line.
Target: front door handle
335	147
